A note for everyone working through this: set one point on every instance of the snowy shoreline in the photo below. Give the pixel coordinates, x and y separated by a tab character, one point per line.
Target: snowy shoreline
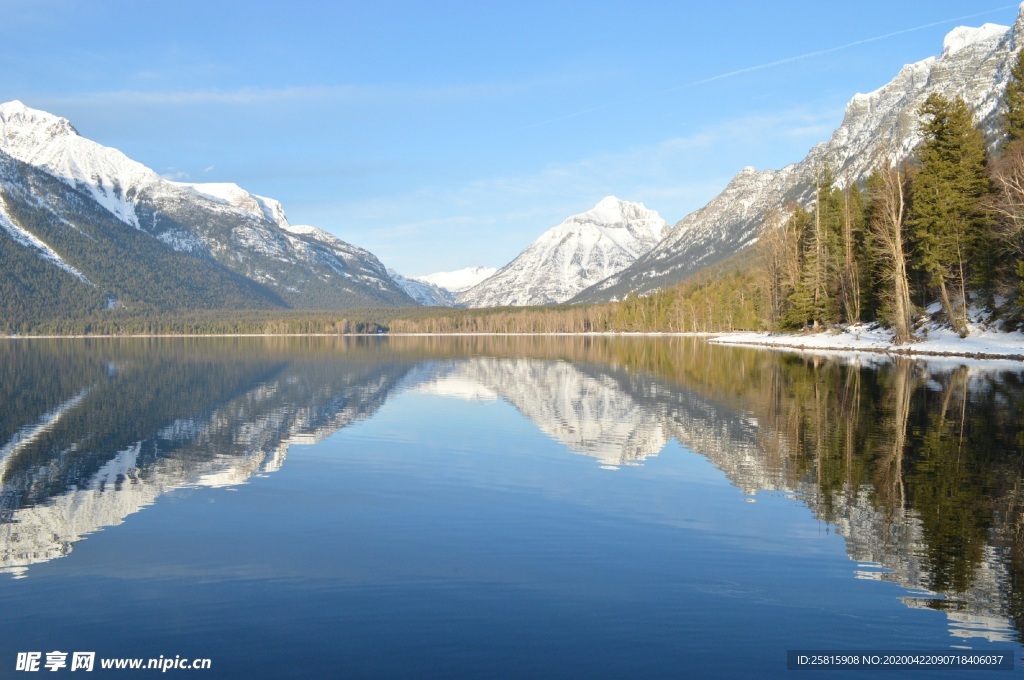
935	341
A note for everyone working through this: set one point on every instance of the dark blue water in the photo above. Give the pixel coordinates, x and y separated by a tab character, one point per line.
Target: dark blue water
407	508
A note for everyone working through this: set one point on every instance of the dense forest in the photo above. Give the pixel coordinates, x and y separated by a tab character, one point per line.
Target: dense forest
725	298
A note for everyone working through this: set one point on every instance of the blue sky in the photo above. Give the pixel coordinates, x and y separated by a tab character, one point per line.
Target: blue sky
440	135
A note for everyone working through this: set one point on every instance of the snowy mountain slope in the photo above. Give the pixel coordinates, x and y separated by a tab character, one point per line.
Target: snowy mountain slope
422	292
579	252
881	126
64	255
231	194
247	234
52	143
459	280
26	238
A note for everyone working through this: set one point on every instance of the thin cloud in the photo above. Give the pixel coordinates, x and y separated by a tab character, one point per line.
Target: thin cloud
247	96
830	50
773	64
239	96
668	176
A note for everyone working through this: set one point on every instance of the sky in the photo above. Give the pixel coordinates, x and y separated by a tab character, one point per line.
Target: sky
441	135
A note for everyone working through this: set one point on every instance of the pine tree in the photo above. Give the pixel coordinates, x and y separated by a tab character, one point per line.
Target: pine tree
1007	203
818	293
948	222
1015	100
802	308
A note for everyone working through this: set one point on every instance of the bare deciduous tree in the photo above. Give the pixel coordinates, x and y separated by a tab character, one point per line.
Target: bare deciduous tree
888	188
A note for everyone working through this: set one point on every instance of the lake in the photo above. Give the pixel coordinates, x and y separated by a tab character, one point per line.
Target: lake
593	507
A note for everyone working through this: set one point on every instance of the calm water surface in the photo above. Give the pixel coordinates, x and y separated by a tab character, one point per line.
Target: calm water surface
503	507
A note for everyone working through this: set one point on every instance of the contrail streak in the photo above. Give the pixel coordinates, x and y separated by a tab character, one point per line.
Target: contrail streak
778	62
818	53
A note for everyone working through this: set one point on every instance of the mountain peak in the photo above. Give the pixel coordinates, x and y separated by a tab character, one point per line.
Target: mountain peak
17	119
612	211
231	194
260	258
610	201
573	255
965	36
609	210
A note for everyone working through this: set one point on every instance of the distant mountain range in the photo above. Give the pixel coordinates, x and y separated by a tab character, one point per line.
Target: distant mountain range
441	289
459	280
619	248
427	294
83	228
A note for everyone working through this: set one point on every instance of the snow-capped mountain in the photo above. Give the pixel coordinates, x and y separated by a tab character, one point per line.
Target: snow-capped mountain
423	292
879	127
566	259
459	280
63	255
220	225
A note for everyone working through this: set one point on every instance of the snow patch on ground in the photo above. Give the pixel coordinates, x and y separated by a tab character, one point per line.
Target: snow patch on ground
936	340
301	229
30	240
182	241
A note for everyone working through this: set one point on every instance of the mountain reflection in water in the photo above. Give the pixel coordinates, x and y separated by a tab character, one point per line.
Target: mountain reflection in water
917	465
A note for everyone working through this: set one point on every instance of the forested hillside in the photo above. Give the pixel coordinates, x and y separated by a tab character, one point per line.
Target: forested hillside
945	226
104	263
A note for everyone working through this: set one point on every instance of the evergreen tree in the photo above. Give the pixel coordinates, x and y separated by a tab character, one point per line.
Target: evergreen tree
1015	100
816	298
801	308
949	225
1007	203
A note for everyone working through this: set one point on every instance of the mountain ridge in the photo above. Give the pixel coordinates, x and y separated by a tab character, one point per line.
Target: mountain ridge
878	126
